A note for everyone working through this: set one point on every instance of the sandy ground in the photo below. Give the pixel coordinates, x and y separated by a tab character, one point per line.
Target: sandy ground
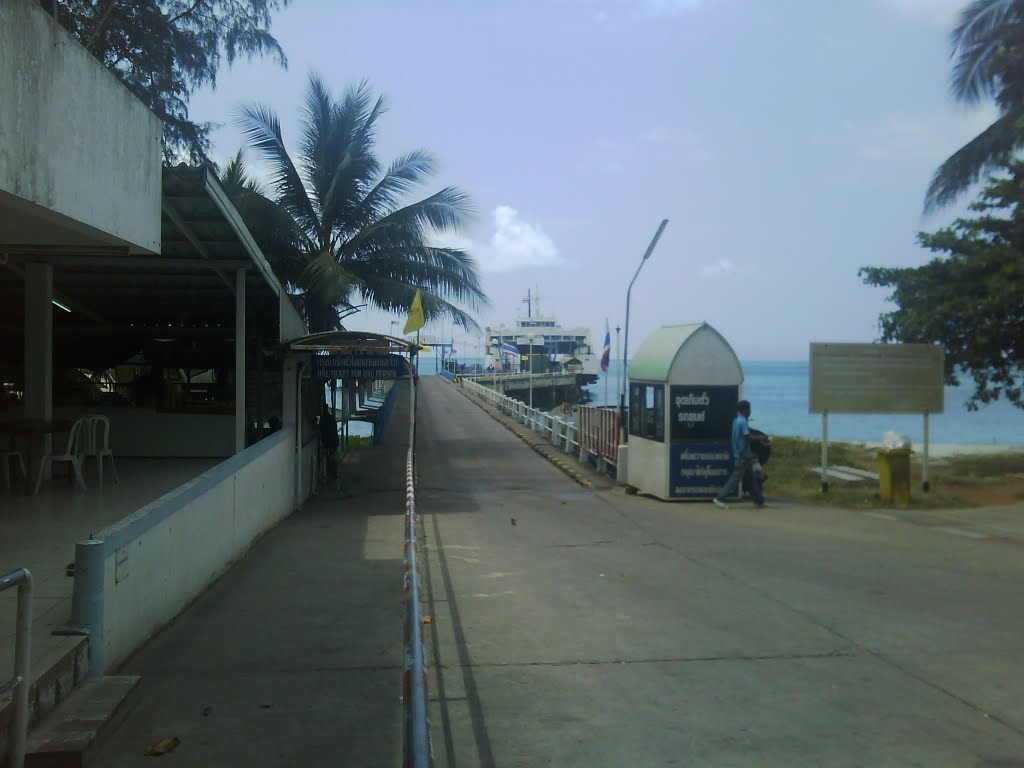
945	450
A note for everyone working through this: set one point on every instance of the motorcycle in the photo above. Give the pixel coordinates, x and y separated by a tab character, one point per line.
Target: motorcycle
762	450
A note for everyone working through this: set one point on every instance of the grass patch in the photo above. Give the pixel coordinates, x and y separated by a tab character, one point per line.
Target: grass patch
359	441
963	480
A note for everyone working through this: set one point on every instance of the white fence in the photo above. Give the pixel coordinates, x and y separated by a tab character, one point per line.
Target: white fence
564	433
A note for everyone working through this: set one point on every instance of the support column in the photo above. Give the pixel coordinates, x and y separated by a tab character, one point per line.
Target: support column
39	349
239	360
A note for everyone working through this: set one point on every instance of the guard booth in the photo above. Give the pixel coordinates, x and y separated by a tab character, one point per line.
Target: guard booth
684	385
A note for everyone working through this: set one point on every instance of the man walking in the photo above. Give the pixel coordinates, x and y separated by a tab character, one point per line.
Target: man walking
744	458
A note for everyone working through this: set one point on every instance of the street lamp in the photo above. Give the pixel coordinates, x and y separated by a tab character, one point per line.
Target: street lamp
530	339
625	344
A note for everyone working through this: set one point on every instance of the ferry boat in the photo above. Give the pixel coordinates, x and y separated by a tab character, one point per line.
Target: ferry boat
542	337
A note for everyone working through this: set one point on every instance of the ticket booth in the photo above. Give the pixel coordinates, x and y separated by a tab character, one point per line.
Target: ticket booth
684	385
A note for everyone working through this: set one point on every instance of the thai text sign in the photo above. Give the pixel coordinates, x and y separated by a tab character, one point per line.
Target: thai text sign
876	378
698	470
359	366
701	413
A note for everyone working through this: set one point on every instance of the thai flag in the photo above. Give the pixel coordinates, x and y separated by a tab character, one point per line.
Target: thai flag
606	355
509	350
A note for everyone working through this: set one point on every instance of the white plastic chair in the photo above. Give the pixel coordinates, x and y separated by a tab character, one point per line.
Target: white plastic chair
96	442
6	457
70	455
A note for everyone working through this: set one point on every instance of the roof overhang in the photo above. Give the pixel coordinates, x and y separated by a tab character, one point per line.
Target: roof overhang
186	292
350	342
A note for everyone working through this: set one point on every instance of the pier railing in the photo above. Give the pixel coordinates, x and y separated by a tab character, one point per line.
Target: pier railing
417	750
591	433
599	432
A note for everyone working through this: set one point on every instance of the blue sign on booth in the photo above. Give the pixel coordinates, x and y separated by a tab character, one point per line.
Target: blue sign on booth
700	460
698	470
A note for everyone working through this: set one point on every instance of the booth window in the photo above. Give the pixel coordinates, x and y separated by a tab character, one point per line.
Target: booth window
647	411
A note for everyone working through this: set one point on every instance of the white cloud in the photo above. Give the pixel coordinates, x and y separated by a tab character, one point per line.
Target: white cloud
516	244
941	13
720	267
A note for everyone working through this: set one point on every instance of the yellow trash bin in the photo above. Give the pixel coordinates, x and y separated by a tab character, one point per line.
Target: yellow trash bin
894	475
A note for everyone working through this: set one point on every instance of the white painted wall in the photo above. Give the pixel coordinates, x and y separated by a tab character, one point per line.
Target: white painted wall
162	557
648	465
146	432
73	141
291	323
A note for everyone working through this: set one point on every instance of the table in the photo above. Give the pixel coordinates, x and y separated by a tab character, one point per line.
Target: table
32	430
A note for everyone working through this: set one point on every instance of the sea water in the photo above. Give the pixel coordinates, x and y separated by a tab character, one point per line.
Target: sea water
778	393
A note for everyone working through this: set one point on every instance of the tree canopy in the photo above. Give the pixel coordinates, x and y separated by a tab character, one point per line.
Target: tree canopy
163	50
337	230
970	299
988	48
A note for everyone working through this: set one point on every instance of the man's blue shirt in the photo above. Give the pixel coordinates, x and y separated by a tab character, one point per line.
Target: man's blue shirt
740	431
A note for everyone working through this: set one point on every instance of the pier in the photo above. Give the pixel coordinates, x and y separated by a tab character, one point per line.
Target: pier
567	623
549	389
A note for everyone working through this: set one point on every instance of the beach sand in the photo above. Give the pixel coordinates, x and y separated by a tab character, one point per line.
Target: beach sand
946	450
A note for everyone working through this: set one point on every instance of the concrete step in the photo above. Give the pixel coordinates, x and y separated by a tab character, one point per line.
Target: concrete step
835	473
59	664
866	474
68	738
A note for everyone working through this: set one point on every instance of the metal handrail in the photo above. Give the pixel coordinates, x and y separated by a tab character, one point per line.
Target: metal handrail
418	752
526	415
20	683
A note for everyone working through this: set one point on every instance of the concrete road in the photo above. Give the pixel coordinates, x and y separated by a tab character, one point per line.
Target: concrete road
598	630
606	630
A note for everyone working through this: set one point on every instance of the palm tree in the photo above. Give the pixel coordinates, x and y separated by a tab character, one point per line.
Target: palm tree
341	234
988	46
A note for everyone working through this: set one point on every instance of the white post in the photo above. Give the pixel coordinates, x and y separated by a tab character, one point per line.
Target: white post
240	360
298	436
39	347
824	452
925	484
618	374
531	374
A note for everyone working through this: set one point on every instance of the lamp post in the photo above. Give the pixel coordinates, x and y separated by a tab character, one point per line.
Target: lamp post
530	338
618	347
625	344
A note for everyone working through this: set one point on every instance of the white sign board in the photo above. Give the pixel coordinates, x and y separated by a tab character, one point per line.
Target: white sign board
876	378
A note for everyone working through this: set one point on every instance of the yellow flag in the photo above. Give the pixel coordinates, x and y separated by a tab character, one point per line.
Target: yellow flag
415	320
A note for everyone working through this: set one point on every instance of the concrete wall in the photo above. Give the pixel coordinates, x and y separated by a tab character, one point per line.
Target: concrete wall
648	465
139	573
146	432
291	323
78	152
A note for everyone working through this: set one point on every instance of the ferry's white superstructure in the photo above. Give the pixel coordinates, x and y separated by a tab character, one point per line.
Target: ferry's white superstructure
542	335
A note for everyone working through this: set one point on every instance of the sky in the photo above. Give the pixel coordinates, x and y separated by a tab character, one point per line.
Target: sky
787	142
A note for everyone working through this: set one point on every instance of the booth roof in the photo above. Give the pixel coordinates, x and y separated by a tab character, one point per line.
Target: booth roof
653	360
